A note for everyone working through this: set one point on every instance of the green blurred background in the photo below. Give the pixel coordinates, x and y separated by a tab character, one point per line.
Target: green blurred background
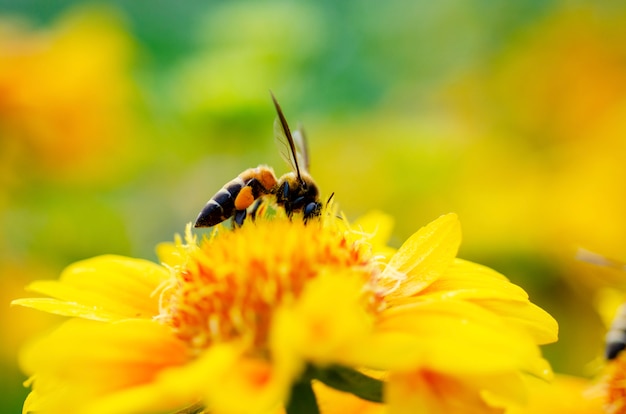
119	120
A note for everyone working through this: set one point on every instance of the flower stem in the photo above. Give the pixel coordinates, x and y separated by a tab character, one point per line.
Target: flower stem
302	399
352	381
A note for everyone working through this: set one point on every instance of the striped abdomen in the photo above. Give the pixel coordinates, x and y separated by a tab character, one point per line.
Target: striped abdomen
616	337
237	195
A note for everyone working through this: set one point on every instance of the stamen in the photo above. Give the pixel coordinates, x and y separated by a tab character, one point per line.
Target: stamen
229	286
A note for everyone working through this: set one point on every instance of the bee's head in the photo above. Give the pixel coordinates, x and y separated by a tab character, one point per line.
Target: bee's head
298	194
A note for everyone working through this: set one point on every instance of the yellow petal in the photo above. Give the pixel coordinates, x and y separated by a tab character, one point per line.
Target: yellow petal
541	326
217	379
223	378
40	402
376	226
608	300
113	354
169	254
492	291
176	254
149	398
467	280
83	361
326	323
448	336
71	309
504	390
428	392
422	258
264	387
331	401
103	288
564	395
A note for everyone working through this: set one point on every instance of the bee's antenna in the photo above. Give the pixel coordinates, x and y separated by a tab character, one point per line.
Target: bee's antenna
285	126
331	197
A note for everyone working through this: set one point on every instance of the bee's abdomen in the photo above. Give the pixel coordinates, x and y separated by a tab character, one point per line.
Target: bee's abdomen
221	206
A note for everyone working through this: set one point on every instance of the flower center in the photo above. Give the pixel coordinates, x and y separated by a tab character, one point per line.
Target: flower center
234	280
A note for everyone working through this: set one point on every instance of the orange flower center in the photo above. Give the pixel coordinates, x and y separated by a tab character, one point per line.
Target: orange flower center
235	279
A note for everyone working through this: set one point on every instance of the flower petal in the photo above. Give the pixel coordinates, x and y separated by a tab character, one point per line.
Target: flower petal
376	227
176	254
264	384
218	378
422	258
320	333
448	336
332	401
222	379
564	395
71	309
467	280
492	291
83	361
103	288
432	392
542	327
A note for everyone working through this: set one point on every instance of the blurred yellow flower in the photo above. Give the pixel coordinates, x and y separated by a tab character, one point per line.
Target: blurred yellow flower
547	115
246	320
62	98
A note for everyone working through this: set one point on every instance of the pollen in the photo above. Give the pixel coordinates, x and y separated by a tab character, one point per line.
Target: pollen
232	283
244	199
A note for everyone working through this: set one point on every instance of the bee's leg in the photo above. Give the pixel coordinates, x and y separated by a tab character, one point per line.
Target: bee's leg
255	208
285	199
239	217
285	190
257	187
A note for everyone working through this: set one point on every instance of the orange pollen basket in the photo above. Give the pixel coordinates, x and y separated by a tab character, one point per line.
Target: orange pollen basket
236	279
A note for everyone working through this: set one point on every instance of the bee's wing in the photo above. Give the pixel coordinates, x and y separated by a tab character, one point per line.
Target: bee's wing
285	141
284	145
302	149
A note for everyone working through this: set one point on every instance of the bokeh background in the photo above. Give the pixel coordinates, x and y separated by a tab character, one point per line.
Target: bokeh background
119	120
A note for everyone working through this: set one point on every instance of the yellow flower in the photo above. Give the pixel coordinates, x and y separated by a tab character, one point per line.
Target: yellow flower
245	320
63	101
564	395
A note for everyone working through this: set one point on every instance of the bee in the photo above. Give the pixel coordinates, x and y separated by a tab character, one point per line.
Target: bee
615	339
295	191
